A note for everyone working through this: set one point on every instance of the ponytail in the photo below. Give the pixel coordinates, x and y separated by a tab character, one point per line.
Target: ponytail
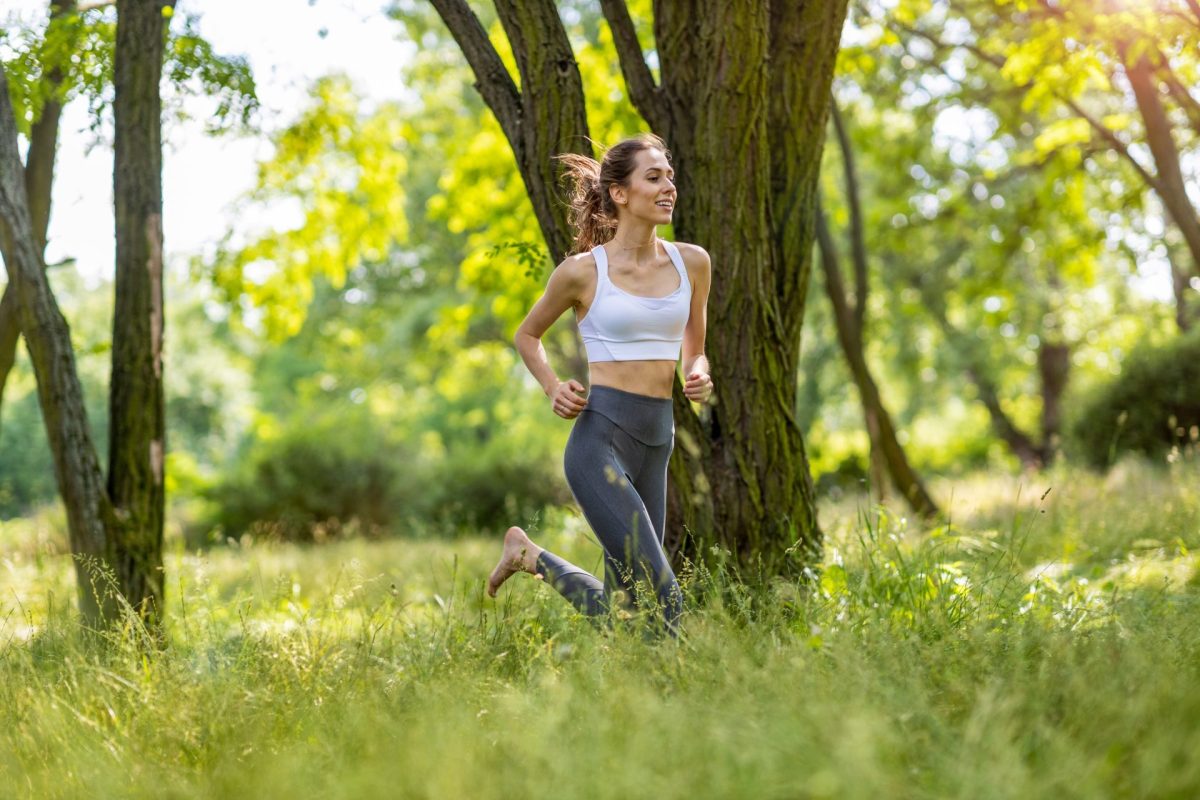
593	214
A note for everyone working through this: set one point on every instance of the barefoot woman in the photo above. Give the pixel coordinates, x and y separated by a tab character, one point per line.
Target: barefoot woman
639	300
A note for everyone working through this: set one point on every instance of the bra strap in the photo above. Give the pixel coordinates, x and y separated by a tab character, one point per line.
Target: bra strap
676	259
601	262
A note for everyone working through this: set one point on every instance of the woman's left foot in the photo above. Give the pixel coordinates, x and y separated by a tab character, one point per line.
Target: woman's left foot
520	555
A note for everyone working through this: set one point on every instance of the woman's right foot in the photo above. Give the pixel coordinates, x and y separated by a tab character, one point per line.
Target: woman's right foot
519	555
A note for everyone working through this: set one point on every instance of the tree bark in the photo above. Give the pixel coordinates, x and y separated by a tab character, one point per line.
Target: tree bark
879	423
76	467
39	182
547	116
137	428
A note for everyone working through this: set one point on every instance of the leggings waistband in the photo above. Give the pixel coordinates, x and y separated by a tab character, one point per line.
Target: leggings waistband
648	419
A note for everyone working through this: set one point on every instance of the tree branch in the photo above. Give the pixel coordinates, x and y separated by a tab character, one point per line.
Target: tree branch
1194	5
642	89
1172	189
1184	98
491	76
1096	125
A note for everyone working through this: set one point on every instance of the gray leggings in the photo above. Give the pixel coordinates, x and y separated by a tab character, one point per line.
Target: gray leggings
616	466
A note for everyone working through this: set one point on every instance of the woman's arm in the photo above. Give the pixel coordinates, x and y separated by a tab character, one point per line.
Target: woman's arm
697	383
563	291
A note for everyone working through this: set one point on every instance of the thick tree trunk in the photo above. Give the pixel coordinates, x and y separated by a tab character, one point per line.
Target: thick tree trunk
741	84
76	468
137	429
39	181
1172	191
879	423
803	52
747	145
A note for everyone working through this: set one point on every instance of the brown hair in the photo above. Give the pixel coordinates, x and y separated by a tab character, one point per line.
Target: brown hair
593	213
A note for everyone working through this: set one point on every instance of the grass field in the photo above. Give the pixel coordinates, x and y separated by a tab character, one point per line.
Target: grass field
1029	644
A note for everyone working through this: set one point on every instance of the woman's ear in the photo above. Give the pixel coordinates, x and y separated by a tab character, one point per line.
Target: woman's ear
618	195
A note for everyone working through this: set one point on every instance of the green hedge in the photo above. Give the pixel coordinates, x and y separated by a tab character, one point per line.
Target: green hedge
1152	407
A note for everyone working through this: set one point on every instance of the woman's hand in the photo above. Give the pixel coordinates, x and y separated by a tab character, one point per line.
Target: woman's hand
698	386
566	400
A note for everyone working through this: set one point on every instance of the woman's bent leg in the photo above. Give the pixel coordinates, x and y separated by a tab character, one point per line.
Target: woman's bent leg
579	586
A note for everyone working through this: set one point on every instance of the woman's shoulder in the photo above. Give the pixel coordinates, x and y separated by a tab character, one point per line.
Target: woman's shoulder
694	256
579	270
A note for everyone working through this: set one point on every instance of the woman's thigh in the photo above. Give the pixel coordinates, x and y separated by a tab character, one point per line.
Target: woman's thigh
651	485
600	463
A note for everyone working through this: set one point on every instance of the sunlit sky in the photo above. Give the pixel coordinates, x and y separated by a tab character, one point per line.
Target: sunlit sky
289	43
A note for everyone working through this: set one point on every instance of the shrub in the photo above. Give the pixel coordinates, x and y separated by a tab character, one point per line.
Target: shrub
316	476
504	481
488	461
1152	407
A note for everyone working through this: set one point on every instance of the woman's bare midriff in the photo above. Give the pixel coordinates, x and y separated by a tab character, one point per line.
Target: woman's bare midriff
653	378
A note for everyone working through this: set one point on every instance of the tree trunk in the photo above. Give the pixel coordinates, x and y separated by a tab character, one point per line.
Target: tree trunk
879	423
1054	368
887	456
1173	193
547	115
137	428
39	181
76	467
1184	315
747	143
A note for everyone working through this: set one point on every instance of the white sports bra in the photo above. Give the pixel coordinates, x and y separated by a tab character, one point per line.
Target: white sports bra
620	326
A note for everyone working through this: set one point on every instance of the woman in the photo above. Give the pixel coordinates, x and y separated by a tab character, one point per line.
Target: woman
639	300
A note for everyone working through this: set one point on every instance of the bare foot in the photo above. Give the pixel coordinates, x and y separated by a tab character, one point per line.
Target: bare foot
520	555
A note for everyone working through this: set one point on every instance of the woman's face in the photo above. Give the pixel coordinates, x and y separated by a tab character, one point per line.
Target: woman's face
650	193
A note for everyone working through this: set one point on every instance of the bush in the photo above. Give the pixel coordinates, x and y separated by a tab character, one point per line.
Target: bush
1152	407
315	477
505	481
489	459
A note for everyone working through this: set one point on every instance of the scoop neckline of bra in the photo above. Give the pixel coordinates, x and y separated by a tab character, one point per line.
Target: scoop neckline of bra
611	283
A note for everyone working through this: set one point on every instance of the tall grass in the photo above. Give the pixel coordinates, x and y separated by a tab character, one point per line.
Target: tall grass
1032	645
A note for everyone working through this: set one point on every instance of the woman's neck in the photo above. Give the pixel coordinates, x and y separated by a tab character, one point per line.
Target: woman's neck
637	240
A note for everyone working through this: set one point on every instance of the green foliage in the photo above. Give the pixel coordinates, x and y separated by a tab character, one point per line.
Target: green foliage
26	467
320	475
26	470
79	47
208	396
341	172
194	69
1152	408
462	443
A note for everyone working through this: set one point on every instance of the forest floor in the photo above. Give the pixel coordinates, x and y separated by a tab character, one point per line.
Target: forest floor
1041	639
